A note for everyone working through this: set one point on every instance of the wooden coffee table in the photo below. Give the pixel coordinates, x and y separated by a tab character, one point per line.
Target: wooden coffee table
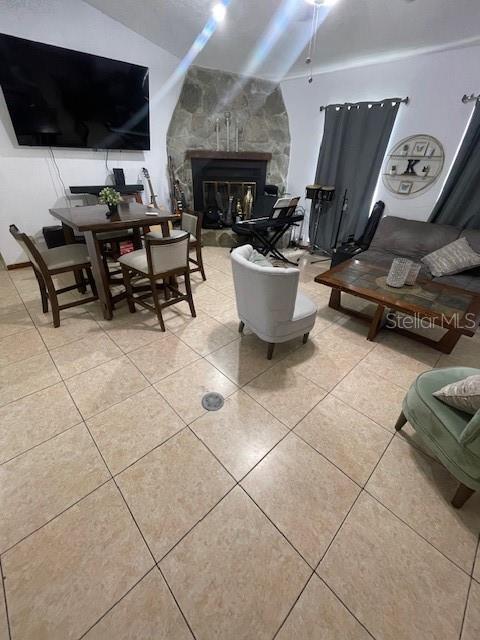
428	303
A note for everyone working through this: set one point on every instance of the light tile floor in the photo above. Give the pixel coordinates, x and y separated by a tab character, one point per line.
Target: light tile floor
129	512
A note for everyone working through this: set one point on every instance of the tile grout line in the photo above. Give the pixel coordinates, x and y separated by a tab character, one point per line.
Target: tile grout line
3	579
309	579
144	455
176	601
207	513
116	602
117	357
360	486
284	536
345	605
54	517
21	453
420	535
462	623
27	395
314	573
468	591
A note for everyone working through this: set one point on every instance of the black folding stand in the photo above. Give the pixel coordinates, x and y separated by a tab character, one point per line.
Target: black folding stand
267	232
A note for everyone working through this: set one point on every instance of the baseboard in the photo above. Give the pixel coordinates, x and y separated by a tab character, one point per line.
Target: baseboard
18	265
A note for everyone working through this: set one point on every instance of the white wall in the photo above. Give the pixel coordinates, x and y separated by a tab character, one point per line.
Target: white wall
29	184
434	82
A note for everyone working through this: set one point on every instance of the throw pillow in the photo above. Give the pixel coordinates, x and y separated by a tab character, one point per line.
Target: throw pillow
259	259
463	395
453	258
472	430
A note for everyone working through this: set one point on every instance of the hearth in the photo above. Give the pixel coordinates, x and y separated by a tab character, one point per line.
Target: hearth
219	175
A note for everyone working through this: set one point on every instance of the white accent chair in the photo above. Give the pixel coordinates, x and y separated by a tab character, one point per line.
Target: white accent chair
268	300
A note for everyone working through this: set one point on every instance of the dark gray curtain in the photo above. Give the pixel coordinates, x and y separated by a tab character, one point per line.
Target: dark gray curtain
354	143
459	202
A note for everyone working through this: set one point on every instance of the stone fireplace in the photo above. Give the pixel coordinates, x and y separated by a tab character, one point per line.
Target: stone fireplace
208	173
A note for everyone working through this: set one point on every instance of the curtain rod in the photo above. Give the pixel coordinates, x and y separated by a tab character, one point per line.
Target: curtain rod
471	98
353	104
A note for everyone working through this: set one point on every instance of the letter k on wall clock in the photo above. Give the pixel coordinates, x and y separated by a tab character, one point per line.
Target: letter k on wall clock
413	165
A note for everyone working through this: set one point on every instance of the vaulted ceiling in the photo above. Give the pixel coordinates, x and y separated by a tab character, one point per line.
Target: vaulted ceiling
352	31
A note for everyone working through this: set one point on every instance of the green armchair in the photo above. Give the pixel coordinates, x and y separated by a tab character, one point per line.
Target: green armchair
451	435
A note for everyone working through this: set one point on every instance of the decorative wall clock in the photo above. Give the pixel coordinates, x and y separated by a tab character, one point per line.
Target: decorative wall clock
413	165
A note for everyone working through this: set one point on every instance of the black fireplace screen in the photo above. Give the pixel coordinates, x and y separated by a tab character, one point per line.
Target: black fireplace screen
215	181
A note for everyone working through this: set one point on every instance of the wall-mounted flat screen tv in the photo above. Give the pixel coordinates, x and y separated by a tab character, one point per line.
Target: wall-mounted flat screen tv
62	98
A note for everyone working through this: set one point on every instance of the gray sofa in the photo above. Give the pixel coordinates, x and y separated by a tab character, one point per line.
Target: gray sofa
413	239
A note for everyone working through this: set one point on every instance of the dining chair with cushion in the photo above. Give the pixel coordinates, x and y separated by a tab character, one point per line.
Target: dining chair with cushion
191	221
268	300
451	435
51	262
163	259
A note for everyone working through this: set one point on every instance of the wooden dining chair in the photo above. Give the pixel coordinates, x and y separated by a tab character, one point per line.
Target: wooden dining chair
51	262
191	221
163	259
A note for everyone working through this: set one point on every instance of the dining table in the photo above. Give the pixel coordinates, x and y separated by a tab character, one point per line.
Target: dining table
92	220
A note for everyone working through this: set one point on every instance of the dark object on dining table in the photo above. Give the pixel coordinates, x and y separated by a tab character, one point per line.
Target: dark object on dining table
112	210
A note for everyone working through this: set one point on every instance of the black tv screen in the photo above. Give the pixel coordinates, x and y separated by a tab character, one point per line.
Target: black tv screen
62	98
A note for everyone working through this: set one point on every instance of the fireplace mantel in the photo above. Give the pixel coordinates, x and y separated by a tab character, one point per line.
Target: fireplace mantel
227	155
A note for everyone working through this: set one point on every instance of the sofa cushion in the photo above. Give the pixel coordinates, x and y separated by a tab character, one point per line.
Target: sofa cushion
473	237
412	238
384	260
376	257
463	280
453	258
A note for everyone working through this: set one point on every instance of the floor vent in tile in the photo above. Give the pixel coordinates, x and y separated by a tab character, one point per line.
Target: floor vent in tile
212	401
